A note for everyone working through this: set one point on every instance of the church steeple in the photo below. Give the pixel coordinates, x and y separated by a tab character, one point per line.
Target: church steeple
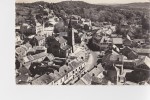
70	23
70	35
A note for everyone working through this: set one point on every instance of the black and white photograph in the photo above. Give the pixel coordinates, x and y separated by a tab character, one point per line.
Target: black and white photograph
84	42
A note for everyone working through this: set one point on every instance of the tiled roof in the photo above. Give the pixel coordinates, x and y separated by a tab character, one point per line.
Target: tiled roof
96	71
66	47
56	75
50	57
20	50
39	37
139	40
21	77
23	70
39	48
96	80
28	45
43	80
141	50
40	55
34	57
87	78
80	82
63	34
145	60
60	39
117	41
75	64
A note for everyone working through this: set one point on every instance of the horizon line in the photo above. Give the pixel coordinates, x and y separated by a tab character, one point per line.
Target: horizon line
82	1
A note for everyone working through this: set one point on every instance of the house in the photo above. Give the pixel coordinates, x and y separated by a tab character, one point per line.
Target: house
27	60
132	55
113	74
25	28
127	42
78	68
129	53
59	47
28	46
57	78
65	75
40	49
141	71
21	51
109	58
17	28
129	64
43	80
18	39
23	75
48	31
40	40
141	41
80	82
118	42
96	71
137	76
87	79
101	42
22	79
142	51
68	72
49	27
75	19
143	63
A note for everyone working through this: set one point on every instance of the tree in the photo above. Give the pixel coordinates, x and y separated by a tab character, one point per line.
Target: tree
33	42
59	27
145	23
86	27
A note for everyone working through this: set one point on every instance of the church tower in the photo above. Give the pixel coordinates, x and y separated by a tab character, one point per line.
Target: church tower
70	37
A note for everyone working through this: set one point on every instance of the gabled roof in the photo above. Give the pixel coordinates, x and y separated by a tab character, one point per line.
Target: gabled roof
28	45
96	71
139	40
87	78
80	82
66	47
40	55
34	57
117	41
56	75
60	39
43	80
75	63
21	50
23	70
39	47
39	38
144	61
22	78
50	57
141	50
96	80
63	34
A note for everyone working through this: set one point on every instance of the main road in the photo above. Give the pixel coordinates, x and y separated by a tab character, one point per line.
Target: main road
92	61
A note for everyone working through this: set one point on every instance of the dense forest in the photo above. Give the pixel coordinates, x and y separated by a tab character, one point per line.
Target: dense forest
135	13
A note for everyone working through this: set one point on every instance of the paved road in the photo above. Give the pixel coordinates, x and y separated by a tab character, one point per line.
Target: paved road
91	61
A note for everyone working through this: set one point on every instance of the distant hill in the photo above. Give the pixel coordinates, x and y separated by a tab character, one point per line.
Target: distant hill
95	12
145	5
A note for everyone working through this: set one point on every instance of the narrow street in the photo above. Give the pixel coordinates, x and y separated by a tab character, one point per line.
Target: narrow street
91	61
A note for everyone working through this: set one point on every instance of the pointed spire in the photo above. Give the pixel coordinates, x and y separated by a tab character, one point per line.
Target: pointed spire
70	23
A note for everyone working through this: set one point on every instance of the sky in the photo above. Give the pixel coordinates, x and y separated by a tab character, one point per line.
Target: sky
89	1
